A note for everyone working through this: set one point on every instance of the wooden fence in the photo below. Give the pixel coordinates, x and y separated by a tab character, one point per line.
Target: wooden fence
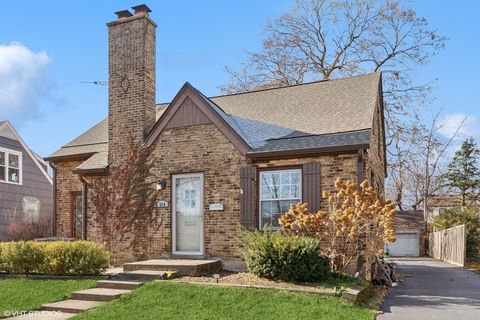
449	245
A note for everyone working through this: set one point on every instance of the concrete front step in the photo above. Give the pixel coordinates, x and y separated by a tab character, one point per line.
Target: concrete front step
144	275
118	284
186	267
71	306
98	294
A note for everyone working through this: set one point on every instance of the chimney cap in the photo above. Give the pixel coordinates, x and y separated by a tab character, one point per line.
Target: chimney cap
123	14
141	8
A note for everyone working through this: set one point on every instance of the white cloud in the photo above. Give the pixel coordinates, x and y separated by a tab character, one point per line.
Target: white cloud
451	122
23	82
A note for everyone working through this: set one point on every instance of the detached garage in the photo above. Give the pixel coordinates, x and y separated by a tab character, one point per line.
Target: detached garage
410	240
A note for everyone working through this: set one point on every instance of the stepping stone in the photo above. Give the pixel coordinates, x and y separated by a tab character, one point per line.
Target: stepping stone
71	306
118	284
98	294
145	275
44	315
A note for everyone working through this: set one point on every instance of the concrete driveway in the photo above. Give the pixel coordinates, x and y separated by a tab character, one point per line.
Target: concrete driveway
433	290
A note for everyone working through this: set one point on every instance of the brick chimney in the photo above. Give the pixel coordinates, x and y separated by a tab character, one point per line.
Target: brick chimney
131	79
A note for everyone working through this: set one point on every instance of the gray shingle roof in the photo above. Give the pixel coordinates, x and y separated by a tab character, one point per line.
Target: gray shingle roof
319	107
330	140
97	161
93	140
318	114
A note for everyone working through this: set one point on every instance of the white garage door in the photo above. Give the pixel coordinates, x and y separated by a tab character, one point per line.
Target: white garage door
406	245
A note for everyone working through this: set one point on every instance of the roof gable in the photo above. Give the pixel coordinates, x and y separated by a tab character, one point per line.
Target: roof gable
7	127
190	107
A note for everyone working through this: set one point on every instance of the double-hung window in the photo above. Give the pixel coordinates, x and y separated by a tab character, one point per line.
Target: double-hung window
278	189
10	166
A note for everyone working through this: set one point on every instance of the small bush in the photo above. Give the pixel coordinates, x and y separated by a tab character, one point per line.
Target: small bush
275	255
75	258
23	257
27	230
54	258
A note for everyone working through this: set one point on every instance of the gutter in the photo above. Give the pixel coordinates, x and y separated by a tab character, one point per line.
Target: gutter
96	171
305	152
77	156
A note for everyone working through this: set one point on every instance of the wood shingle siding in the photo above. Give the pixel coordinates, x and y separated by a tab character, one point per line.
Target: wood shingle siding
34	184
247	197
311	185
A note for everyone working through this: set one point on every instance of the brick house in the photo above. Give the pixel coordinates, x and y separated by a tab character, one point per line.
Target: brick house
226	162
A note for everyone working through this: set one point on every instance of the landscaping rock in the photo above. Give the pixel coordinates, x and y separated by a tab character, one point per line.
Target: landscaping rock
357	294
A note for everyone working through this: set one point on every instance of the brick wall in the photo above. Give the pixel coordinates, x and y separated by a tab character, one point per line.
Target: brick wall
66	183
131	84
331	167
374	160
202	148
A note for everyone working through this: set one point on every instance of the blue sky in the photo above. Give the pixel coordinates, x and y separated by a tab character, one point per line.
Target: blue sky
66	41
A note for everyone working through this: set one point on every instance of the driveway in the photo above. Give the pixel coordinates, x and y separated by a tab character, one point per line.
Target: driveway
433	290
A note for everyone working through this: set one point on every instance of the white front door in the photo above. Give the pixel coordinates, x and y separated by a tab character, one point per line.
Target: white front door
187	214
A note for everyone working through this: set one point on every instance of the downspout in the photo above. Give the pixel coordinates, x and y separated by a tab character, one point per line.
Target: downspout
360	173
84	206
54	191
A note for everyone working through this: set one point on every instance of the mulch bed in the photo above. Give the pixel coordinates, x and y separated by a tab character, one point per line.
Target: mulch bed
248	279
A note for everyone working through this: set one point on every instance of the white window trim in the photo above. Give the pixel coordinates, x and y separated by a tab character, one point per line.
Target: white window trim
260	225
20	166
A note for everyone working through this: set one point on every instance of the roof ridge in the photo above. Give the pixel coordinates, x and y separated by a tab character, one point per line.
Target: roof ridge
283	87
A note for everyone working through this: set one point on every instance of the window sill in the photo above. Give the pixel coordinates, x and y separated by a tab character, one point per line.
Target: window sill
12	183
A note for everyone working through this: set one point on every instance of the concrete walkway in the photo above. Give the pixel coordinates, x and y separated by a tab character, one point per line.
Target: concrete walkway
433	290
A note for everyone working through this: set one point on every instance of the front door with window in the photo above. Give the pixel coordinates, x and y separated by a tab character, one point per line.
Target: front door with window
77	215
187	214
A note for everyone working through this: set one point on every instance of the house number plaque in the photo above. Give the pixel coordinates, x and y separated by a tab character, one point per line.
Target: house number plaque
215	207
161	204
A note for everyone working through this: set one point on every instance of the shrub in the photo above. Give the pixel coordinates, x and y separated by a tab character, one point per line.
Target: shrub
355	225
470	217
27	230
76	258
54	258
275	255
23	257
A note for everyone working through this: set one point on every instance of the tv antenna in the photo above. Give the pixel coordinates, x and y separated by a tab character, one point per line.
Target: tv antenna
97	82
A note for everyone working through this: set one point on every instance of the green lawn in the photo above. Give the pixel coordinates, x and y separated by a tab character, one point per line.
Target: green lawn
29	294
168	300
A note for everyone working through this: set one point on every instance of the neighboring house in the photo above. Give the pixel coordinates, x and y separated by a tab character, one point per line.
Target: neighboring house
410	234
229	161
440	203
26	191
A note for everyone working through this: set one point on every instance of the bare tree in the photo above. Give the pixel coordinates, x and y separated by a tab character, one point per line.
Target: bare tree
321	40
418	168
327	39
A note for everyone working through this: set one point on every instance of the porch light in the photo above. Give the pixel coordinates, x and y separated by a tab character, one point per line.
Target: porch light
161	184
